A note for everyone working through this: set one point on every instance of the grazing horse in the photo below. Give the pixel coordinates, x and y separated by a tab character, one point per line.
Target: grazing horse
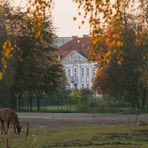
2	125
8	116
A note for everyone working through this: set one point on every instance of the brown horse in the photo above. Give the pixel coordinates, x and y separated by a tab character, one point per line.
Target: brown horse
8	116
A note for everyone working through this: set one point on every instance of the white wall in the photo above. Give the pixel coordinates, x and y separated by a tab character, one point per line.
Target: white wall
79	79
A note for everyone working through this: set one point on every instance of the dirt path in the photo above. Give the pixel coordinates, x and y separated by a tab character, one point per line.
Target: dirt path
73	119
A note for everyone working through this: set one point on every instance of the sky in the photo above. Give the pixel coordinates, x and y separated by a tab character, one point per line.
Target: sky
63	13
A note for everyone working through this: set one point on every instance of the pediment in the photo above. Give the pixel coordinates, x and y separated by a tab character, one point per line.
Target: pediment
74	58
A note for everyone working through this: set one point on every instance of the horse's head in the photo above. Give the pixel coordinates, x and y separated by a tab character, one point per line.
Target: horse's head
19	129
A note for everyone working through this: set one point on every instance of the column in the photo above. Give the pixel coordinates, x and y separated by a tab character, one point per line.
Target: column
78	75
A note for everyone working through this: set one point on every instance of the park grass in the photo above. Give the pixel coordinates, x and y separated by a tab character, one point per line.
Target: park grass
81	137
53	108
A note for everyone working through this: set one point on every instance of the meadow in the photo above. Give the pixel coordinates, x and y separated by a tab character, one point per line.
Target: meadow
91	136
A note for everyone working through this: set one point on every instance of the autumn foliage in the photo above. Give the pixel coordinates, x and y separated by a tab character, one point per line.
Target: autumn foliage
126	81
100	82
37	9
107	20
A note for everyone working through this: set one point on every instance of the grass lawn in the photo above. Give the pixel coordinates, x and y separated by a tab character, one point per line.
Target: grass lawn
61	108
54	108
81	137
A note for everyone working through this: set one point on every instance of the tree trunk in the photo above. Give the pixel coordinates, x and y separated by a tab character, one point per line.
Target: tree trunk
19	103
22	103
62	103
12	99
30	103
38	104
138	104
144	99
16	107
15	103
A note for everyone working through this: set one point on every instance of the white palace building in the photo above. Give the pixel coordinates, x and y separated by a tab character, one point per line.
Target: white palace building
74	57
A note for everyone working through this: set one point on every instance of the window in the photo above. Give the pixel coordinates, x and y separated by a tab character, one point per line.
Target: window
87	85
75	85
69	72
87	72
82	72
75	72
82	85
94	70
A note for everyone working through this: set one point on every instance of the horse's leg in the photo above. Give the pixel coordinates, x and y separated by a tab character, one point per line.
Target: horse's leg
15	130
7	127
2	127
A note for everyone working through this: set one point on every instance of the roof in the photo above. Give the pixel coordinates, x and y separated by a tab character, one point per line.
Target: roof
78	44
59	41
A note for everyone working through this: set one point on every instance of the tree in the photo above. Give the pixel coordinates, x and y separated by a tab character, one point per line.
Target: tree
123	82
36	71
100	81
6	80
119	36
37	9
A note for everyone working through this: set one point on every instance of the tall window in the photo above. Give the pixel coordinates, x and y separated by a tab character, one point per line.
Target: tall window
82	85
82	72
94	70
87	85
87	72
69	72
75	85
75	72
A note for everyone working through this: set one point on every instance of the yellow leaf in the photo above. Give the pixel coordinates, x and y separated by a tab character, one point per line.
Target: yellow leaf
113	43
1	75
107	61
107	54
116	36
119	44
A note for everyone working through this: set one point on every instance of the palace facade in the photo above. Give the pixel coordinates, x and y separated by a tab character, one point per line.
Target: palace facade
79	70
